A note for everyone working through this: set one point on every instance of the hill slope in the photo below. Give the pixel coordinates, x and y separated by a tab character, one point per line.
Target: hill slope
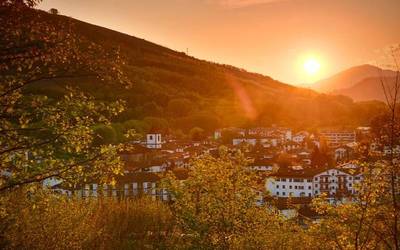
173	91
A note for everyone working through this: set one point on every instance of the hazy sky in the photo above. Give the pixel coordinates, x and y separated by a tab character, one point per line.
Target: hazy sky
272	37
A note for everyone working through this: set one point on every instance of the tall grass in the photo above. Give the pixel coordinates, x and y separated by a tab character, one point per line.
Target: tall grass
45	221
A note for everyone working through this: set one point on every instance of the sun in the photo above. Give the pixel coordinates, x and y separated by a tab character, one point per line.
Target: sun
311	66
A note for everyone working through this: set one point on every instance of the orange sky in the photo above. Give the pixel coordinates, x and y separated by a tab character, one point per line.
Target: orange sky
272	37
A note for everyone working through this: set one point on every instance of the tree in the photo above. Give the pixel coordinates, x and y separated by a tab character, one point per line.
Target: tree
284	160
371	219
53	11
104	135
392	96
179	107
197	134
156	123
215	207
42	137
320	157
228	135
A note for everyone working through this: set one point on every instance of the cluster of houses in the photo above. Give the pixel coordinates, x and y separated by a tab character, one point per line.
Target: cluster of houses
283	158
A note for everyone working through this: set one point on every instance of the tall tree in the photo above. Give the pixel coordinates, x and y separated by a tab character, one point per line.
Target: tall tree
40	136
392	96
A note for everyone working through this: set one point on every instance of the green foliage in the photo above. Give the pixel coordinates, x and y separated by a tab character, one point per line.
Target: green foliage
208	122
157	123
215	208
104	135
44	136
137	125
179	107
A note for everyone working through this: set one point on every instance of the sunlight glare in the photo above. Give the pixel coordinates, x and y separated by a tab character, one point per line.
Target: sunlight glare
311	66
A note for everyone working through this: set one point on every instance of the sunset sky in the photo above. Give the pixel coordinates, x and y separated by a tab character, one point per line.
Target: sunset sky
294	41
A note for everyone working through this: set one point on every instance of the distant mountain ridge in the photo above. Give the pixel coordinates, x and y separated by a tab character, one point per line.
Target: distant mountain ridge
350	77
367	89
361	83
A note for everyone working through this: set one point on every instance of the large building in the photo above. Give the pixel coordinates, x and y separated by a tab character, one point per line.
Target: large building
335	139
297	181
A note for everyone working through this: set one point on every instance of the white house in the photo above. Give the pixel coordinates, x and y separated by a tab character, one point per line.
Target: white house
340	153
250	141
299	138
335	182
153	140
293	181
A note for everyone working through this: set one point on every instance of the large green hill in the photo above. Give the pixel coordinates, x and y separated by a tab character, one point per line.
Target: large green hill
174	91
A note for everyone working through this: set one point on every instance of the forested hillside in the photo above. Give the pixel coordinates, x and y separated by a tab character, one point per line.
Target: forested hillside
176	92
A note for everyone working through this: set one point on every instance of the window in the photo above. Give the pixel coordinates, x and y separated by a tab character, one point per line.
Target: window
277	186
283	186
309	180
283	179
316	191
283	193
316	178
350	185
150	137
316	185
290	187
277	193
309	187
295	187
356	178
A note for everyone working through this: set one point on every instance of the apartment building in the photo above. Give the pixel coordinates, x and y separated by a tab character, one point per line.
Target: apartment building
296	181
335	139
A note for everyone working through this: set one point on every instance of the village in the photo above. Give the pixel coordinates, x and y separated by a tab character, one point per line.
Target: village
294	167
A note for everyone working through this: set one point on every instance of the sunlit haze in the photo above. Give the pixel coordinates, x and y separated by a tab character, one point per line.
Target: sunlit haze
268	37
